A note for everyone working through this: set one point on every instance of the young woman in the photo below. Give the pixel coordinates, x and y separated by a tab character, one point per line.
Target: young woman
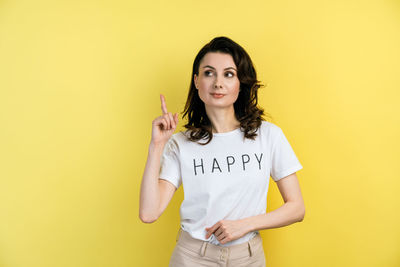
223	160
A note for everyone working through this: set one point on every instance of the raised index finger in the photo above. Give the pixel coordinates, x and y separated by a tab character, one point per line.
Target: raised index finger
163	104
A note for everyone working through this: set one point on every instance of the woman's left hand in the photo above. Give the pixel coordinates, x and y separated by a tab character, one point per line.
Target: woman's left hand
228	230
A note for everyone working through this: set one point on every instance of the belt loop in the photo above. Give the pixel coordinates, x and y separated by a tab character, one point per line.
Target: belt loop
250	248
177	236
203	248
252	243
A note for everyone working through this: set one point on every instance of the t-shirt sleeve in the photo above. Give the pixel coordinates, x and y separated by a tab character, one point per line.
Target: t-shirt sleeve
170	166
283	158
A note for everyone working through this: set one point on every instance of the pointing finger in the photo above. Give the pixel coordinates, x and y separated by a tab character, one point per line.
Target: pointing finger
163	104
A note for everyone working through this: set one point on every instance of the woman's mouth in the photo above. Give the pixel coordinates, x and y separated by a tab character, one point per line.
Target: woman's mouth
217	95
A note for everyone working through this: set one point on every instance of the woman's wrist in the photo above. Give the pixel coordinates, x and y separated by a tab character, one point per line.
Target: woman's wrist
156	145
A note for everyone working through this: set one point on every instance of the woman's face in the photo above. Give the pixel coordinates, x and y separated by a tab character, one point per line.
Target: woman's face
217	75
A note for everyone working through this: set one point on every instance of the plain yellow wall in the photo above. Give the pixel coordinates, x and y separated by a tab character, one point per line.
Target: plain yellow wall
79	88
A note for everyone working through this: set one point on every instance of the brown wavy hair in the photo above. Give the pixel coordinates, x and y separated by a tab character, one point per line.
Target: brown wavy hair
247	112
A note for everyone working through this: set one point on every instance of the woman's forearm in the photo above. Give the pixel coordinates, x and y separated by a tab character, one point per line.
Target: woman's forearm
149	188
288	213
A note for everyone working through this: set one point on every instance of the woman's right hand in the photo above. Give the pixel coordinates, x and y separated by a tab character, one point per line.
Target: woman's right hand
163	126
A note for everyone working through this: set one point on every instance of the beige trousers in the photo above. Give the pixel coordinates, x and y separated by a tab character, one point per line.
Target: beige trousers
191	252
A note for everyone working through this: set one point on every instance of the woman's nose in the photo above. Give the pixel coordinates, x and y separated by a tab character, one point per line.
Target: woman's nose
218	82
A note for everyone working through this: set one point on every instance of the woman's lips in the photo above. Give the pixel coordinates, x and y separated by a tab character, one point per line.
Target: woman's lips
217	95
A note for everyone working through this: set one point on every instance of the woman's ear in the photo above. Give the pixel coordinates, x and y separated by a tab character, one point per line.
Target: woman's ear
195	80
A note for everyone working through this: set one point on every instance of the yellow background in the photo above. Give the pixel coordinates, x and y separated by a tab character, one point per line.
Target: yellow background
79	88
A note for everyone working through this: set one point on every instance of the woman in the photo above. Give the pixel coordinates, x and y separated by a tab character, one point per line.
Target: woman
224	160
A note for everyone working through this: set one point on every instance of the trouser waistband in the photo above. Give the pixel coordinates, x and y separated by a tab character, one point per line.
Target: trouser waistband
204	248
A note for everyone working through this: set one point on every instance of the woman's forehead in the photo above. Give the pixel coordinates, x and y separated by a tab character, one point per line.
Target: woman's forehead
218	60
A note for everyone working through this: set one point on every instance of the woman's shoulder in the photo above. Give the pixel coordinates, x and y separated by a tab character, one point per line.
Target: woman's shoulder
178	137
269	126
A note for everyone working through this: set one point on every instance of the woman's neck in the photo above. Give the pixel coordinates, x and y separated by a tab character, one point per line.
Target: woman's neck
223	120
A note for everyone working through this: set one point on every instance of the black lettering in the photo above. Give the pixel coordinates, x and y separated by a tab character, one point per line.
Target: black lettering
213	167
244	162
195	166
259	160
230	163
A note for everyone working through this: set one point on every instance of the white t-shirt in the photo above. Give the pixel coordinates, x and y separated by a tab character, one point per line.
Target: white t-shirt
228	178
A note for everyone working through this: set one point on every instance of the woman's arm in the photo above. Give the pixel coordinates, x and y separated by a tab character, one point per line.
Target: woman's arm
291	211
155	194
151	189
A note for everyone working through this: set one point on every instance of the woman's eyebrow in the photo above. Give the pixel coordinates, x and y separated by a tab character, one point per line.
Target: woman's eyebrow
214	68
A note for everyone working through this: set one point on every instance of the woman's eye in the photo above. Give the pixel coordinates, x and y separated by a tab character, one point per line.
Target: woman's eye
207	72
231	73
